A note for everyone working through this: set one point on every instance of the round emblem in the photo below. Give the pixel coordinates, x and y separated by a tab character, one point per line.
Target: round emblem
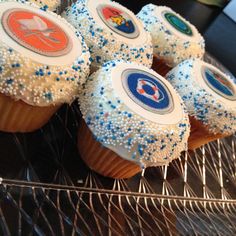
147	91
118	21
36	32
178	24
219	84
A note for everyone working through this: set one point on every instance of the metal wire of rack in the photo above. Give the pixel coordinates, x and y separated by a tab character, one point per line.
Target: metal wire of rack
46	189
194	196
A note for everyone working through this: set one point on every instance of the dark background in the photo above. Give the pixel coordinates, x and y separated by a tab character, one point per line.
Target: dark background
50	156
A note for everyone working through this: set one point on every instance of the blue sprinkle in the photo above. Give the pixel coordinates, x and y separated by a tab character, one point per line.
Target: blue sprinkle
163	146
98	59
9	81
140	150
105	42
48	95
129	141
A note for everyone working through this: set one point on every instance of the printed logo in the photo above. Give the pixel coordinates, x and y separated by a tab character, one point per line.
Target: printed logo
118	21
178	24
147	91
36	32
219	84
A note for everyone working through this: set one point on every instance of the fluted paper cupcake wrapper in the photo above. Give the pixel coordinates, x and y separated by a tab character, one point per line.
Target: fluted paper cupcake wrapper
17	116
101	159
200	134
160	67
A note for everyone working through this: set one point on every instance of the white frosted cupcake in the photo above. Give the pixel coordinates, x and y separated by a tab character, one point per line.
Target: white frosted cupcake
174	38
210	98
43	61
134	119
111	31
51	5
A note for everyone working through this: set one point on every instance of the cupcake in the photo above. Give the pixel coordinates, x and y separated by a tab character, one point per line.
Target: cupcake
174	39
43	61
111	32
210	98
51	5
133	118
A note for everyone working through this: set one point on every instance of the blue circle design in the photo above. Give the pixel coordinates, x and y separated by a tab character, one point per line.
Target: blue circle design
219	84
178	23
126	27
147	91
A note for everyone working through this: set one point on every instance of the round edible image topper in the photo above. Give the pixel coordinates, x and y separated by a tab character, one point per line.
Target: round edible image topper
147	94
219	83
177	23
118	20
147	91
39	35
36	32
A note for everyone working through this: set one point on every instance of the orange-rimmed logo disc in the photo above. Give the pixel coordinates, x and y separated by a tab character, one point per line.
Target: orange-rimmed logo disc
36	32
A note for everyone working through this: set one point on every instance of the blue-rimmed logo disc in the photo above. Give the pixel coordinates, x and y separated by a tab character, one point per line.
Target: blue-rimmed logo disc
147	91
118	21
178	23
219	84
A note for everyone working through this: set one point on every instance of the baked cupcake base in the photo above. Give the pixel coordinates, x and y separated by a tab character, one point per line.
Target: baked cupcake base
96	157
209	96
200	135
160	66
18	116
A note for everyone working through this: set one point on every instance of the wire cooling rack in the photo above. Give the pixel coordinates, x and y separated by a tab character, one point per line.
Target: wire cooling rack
46	189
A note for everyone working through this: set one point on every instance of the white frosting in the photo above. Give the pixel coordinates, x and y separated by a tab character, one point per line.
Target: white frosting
104	43
127	128
170	44
41	79
51	5
172	117
213	108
